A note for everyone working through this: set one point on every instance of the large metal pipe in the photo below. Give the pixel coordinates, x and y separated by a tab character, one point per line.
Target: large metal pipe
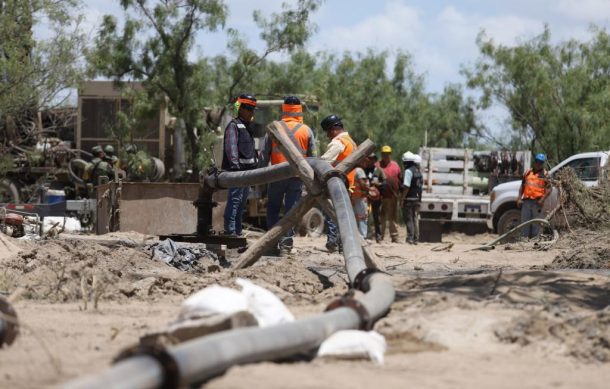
266	175
203	358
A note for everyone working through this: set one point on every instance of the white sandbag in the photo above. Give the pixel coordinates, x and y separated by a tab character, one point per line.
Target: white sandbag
354	344
266	307
72	224
214	299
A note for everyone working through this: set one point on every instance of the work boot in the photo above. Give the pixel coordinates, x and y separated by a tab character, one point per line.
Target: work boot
285	250
331	247
395	239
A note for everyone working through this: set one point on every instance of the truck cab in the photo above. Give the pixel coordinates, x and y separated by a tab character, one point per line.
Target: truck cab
504	214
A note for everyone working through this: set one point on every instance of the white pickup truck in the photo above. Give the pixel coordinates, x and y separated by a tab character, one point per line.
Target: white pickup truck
504	214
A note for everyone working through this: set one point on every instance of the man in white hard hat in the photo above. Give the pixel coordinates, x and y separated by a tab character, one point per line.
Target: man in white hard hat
411	195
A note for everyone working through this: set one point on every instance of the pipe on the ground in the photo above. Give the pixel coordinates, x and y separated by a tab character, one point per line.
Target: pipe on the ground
205	357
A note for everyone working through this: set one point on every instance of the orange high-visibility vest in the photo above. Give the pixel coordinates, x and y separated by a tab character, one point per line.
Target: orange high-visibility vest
298	134
534	185
350	146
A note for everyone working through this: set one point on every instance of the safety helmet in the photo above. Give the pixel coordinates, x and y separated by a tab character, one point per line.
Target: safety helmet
95	150
408	157
540	157
417	159
331	121
386	149
247	101
109	149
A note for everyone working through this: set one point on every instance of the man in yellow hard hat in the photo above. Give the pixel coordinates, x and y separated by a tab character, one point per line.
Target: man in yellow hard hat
390	193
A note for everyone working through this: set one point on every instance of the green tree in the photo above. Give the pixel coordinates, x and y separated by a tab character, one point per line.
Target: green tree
558	95
36	73
154	46
391	108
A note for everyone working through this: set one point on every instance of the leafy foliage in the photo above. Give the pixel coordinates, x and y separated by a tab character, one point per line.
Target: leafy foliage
35	73
558	95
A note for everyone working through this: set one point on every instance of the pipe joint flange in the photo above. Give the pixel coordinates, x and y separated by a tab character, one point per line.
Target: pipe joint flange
171	373
348	301
359	283
334	173
214	172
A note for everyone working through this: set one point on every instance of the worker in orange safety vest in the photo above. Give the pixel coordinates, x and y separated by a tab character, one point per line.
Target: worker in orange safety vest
288	191
534	190
340	147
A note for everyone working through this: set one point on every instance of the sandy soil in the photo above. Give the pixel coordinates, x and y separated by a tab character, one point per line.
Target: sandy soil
512	316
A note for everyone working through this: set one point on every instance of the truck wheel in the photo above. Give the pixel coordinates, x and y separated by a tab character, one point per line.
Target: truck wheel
312	224
509	220
9	193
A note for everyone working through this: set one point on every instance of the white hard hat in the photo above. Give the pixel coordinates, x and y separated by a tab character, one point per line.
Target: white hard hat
417	159
408	157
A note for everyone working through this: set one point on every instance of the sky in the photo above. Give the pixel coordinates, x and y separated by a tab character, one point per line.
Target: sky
439	34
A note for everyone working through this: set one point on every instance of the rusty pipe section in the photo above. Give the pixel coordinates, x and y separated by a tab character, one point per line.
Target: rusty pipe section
203	358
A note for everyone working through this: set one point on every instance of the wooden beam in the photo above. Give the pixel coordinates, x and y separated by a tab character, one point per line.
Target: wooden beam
306	173
271	237
292	217
294	157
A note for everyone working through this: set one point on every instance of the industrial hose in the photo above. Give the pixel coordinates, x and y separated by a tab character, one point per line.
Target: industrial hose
202	358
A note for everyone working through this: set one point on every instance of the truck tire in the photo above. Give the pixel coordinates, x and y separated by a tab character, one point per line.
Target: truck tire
312	224
9	193
509	220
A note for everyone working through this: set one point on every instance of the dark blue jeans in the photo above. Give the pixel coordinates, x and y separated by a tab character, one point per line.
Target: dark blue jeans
332	236
287	192
236	203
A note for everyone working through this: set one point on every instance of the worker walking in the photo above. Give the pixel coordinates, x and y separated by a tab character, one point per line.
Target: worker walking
287	191
340	147
239	154
412	185
376	179
390	194
534	190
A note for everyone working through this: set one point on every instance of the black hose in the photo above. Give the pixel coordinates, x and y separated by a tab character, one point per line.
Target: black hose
346	221
203	358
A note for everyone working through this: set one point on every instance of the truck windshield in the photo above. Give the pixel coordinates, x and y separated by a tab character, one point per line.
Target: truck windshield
587	169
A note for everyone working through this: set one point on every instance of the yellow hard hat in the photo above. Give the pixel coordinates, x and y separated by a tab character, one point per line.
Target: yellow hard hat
386	149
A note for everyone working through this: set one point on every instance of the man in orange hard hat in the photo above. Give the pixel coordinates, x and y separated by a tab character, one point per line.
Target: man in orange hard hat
287	191
239	154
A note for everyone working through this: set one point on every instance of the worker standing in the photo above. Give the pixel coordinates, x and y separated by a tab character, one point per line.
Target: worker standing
287	191
341	145
376	178
111	158
239	154
411	195
390	194
101	171
534	190
360	198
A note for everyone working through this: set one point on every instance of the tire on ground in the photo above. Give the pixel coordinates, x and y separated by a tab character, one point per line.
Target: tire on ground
312	224
509	220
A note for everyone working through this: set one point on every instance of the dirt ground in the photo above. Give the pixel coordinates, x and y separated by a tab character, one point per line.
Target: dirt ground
512	316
